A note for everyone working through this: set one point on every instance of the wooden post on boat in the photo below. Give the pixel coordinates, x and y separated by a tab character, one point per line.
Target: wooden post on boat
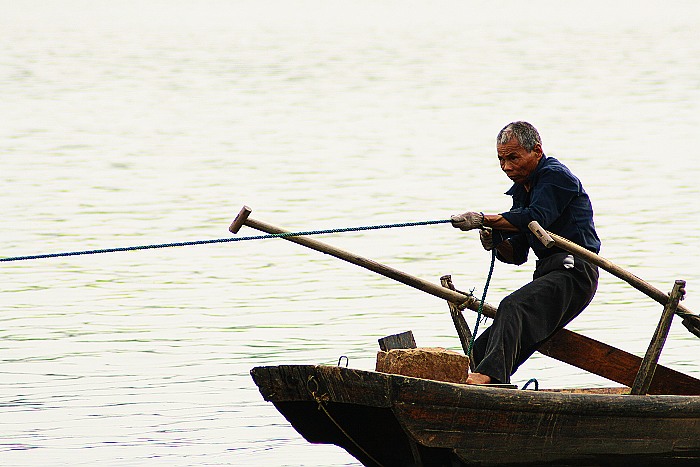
651	359
463	331
690	321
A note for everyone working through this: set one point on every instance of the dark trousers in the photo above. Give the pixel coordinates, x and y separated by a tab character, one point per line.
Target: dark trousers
530	315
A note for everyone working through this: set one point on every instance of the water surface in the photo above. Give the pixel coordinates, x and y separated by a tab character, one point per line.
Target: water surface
126	123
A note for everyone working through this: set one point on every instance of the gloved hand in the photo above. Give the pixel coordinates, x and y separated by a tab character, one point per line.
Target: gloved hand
486	237
468	220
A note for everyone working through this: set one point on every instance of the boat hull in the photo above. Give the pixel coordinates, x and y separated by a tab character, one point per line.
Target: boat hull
391	420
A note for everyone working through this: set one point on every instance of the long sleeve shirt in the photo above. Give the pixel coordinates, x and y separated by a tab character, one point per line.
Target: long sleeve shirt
558	202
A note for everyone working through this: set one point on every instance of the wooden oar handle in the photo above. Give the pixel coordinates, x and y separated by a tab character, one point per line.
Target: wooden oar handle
240	219
541	234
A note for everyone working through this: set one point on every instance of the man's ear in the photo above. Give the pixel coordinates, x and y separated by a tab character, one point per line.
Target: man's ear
538	149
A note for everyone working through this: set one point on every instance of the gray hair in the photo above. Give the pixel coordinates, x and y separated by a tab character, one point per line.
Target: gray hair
526	133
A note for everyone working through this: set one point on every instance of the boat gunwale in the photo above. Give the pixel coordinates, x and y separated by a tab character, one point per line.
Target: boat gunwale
395	389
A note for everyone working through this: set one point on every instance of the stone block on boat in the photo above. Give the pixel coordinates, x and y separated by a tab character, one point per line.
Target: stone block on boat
425	362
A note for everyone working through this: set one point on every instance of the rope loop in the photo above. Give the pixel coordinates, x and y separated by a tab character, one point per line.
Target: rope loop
531	380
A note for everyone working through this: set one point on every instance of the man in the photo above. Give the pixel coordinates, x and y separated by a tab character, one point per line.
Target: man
546	191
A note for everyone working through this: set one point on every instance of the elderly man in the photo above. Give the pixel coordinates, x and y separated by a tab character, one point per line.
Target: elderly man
546	191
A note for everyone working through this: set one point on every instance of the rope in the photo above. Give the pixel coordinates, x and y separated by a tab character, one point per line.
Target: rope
531	380
220	240
480	310
321	401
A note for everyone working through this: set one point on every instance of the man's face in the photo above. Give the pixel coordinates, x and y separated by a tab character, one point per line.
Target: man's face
516	161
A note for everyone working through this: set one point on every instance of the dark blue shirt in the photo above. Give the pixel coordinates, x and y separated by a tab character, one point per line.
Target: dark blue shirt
558	202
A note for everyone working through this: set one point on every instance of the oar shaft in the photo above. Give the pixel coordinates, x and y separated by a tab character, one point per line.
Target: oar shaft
603	263
438	291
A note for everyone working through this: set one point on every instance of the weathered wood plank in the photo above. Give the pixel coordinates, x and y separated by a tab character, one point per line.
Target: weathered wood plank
490	435
614	364
404	340
487	425
421	392
299	382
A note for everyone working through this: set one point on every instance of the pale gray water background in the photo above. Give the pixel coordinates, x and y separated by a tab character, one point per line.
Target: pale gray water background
128	123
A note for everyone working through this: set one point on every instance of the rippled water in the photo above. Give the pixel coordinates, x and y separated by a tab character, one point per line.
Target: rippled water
129	123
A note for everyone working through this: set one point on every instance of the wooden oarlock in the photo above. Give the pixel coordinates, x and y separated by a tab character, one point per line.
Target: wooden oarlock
651	359
566	346
463	331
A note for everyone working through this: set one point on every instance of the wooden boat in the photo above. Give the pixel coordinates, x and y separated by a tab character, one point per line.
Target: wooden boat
386	419
391	420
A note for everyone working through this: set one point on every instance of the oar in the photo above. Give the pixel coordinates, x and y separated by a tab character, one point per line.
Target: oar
567	346
549	239
466	301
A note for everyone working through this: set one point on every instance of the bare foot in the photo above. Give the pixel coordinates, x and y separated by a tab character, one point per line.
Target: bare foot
478	378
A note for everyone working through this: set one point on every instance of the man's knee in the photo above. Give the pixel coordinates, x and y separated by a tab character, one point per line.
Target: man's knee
509	306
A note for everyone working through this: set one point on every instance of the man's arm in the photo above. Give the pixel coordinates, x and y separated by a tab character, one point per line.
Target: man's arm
478	220
498	222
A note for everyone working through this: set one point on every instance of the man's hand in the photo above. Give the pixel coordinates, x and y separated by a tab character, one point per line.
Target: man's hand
468	220
486	237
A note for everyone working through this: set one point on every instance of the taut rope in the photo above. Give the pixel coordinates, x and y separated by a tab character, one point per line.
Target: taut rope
221	240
